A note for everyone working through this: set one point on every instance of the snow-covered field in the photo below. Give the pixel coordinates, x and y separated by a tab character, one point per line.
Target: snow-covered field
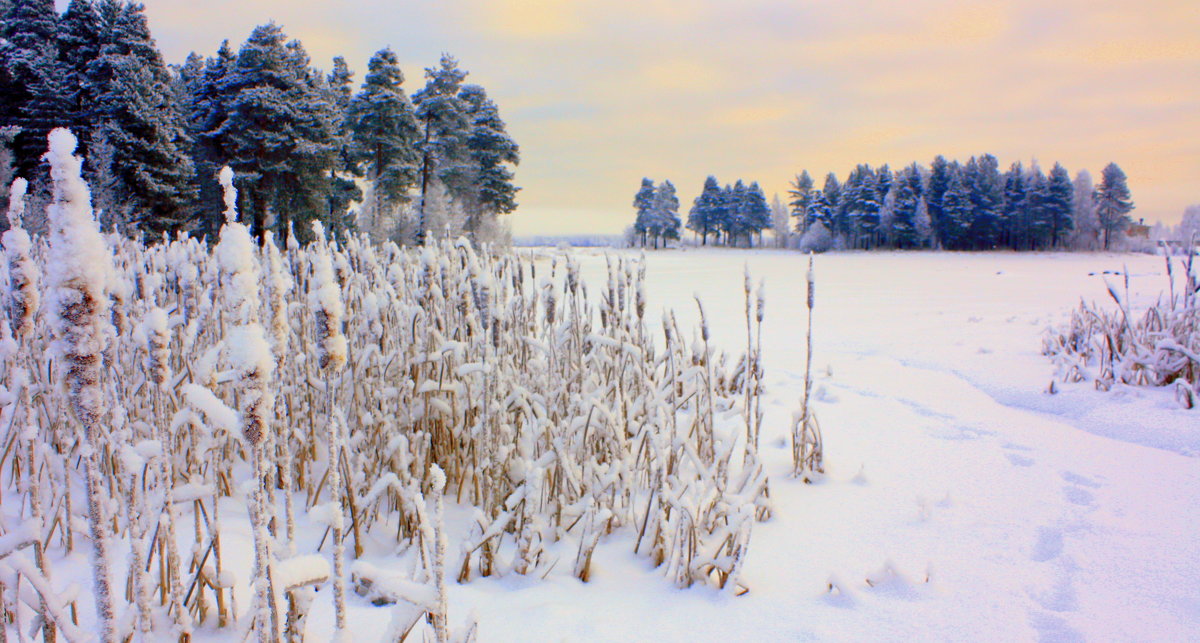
961	501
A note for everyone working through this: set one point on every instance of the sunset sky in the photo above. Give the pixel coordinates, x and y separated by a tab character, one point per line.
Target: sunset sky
601	93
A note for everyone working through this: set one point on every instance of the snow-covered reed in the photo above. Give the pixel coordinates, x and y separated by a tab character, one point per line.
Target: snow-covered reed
354	389
1159	346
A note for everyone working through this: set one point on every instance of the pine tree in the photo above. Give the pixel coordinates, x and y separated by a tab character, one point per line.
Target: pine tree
205	110
444	120
836	220
31	86
939	181
386	135
1037	213
906	191
800	195
343	189
1014	214
861	202
956	210
490	151
983	180
278	133
664	219
80	36
703	217
136	113
818	211
1059	194
757	213
1113	203
643	202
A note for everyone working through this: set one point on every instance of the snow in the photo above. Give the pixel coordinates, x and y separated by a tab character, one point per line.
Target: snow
974	503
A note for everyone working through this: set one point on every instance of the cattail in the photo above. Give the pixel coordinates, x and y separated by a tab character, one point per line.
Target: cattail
158	346
281	284
79	264
325	301
23	273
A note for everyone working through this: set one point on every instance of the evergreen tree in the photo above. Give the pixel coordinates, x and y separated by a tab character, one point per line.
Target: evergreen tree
819	211
705	213
861	203
206	108
800	195
1014	219
443	117
1059	194
939	181
490	151
386	135
906	191
757	213
923	225
80	36
136	113
956	210
836	219
643	202
1113	202
664	219
343	189
1037	213
986	185
278	133
31	84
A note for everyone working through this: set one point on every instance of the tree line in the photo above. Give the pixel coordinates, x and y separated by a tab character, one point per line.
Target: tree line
947	205
304	144
963	206
731	214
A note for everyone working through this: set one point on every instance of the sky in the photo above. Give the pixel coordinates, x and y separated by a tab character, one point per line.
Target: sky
600	93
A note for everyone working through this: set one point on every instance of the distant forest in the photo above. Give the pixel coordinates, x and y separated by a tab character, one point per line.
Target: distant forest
948	205
303	143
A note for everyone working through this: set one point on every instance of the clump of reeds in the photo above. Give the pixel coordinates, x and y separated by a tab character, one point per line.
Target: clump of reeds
1160	346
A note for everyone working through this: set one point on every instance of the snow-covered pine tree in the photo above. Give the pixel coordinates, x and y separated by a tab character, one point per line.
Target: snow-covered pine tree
939	180
1113	202
278	133
444	119
1058	204
1014	215
80	36
861	202
135	111
800	195
906	190
343	190
818	210
664	219
490	152
836	220
703	215
757	212
1037	214
386	138
956	210
28	73
205	109
986	186
643	203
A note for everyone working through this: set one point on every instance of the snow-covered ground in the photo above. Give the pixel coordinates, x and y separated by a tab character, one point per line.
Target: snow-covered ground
976	504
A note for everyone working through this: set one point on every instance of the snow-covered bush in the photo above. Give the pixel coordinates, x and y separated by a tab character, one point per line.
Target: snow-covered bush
816	239
1159	346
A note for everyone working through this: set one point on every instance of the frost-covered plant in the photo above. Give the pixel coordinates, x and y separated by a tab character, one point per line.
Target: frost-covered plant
1158	347
23	273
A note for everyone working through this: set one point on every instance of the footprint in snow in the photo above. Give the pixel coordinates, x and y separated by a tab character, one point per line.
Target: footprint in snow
1078	496
1019	460
1049	544
1053	628
1075	478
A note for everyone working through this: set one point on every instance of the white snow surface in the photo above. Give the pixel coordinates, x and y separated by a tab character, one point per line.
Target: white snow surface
977	505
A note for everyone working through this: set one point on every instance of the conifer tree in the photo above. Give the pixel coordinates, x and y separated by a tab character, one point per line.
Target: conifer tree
386	134
1014	215
939	181
664	218
31	86
1086	235
757	212
704	215
490	151
643	202
956	210
1059	194
1037	213
1113	202
984	182
444	120
801	195
342	187
836	219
